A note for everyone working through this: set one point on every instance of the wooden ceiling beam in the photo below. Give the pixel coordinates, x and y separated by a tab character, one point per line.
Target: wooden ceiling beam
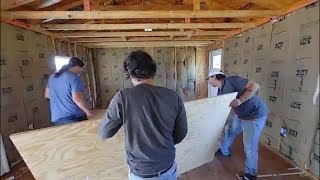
140	7
196	5
10	4
136	14
142	34
99	27
145	39
86	5
149	44
286	10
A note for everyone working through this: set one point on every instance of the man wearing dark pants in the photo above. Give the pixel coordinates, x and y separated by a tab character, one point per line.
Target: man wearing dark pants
64	90
154	121
251	113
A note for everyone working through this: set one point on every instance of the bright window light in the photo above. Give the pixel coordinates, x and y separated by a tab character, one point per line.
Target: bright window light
148	30
216	61
60	61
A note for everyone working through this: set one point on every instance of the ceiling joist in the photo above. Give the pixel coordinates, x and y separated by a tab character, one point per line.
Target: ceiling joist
143	34
97	27
136	14
141	7
145	39
149	44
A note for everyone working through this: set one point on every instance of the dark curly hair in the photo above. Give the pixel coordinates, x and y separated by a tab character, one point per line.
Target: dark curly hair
139	65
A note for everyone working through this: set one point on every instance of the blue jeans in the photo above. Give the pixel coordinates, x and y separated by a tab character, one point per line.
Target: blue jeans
251	134
68	120
171	174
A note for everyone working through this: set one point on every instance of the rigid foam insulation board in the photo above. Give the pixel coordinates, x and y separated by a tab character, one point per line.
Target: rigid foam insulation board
75	151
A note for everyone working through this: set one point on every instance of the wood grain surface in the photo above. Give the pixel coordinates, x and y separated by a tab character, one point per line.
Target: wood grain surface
75	151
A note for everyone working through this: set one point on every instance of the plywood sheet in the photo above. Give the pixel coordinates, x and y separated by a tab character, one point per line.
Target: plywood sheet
75	151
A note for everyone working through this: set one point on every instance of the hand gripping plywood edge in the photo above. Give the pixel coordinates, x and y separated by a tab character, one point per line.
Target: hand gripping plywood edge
75	151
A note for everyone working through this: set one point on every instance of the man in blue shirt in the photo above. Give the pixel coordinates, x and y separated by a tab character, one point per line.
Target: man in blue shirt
64	90
251	113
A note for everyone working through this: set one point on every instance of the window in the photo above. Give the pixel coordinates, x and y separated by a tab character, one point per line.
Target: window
215	59
214	62
60	61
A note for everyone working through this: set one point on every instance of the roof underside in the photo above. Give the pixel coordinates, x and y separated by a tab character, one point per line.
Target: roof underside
104	23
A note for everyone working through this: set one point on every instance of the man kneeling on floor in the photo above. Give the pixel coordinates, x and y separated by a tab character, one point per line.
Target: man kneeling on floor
154	120
251	113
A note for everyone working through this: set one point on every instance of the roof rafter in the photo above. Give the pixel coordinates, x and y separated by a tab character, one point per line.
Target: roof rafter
10	4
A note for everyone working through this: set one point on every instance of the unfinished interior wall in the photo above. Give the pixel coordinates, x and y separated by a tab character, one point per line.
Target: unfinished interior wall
27	61
176	70
285	62
202	66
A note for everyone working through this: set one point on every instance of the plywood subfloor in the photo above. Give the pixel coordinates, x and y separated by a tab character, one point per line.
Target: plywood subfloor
220	168
224	168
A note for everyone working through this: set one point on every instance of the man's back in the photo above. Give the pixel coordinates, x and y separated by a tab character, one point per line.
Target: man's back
154	120
61	89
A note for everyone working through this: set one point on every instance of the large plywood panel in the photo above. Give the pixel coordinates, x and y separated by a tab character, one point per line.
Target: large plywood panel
75	151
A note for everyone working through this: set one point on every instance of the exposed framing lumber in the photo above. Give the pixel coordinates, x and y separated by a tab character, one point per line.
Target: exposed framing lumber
86	5
136	14
149	44
140	7
98	27
196	5
145	39
27	26
143	34
287	10
124	38
10	4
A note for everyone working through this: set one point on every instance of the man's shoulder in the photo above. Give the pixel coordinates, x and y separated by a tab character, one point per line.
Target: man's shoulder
169	91
160	90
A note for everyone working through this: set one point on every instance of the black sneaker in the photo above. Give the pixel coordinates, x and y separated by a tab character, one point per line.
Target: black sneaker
219	153
248	177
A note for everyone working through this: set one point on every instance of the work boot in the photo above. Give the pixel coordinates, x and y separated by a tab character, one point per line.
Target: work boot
248	177
219	153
